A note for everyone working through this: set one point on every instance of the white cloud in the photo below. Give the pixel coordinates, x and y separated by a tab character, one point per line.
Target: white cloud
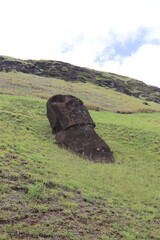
77	31
144	64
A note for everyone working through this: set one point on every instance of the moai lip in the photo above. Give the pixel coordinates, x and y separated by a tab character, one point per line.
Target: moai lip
74	128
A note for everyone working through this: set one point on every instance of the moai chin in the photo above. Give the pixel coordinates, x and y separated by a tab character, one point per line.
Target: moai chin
74	128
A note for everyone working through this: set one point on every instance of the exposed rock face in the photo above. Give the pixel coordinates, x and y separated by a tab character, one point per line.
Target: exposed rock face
74	128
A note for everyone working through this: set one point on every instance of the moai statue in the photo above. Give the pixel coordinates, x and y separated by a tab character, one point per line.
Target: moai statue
74	128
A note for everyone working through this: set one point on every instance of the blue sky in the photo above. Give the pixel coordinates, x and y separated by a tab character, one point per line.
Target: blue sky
119	36
122	49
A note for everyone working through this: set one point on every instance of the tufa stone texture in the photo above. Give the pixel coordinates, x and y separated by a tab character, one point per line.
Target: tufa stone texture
74	128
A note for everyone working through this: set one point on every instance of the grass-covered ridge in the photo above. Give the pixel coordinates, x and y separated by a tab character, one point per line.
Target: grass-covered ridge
94	96
50	193
71	73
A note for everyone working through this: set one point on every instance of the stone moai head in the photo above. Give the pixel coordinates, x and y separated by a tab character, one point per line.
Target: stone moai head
64	111
74	128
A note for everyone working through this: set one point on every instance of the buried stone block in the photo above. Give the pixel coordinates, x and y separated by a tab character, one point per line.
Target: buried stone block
74	128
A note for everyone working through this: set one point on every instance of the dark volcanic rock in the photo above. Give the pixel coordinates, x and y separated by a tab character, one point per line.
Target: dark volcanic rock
74	128
64	111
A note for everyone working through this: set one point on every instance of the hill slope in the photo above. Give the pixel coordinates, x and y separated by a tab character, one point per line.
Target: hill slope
93	95
50	193
73	73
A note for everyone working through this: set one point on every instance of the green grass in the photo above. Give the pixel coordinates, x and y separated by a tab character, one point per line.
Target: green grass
50	193
94	96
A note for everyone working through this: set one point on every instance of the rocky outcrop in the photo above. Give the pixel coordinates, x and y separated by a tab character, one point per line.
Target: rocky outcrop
68	72
74	128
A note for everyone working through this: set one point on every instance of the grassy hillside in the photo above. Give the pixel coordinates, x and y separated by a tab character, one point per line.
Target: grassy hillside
72	73
94	96
50	193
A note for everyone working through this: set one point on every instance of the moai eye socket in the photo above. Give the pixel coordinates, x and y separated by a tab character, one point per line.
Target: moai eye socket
74	103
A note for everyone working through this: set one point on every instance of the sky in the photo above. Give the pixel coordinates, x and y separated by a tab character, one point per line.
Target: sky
118	36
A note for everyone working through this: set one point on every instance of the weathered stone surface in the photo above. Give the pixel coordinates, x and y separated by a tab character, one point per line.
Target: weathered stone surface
83	140
64	111
74	128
